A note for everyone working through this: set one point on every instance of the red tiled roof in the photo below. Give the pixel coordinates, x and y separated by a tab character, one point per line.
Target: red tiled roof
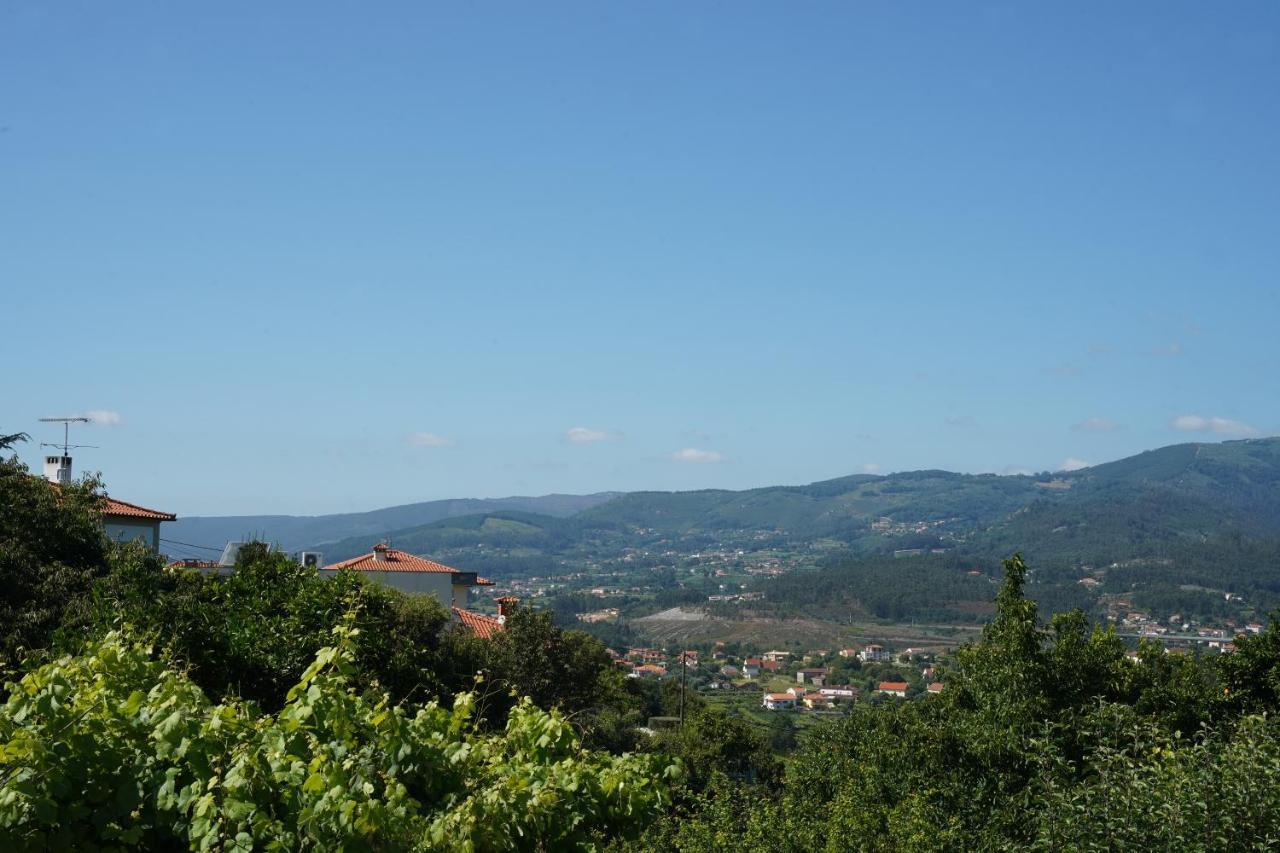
190	563
478	624
120	509
893	685
397	561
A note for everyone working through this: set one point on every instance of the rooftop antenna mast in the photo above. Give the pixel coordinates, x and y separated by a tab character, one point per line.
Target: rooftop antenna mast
66	446
57	469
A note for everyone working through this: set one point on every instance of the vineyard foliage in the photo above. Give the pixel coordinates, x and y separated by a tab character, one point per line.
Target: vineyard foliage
116	748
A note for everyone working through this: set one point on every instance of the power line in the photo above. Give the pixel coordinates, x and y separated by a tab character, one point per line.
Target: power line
189	545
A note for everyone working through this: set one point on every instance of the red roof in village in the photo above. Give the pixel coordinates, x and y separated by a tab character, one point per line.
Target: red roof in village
396	561
893	685
121	509
478	624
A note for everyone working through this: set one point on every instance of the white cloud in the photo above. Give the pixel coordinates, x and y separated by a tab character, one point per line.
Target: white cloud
1072	464
870	468
1096	425
586	435
1222	426
428	439
692	454
104	417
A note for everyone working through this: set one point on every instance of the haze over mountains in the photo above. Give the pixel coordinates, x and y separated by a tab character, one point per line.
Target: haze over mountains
1186	491
296	531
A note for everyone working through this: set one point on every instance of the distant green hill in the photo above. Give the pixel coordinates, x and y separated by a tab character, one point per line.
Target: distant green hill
293	532
1182	491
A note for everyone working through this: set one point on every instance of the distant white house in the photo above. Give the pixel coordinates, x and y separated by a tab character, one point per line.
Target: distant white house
873	653
411	573
839	691
779	701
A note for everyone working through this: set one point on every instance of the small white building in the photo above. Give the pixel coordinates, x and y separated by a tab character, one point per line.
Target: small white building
839	691
873	653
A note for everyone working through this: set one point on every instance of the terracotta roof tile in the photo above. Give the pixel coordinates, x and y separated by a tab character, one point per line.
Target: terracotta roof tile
121	509
395	561
478	624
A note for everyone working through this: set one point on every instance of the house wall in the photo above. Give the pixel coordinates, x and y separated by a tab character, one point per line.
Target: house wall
438	584
126	530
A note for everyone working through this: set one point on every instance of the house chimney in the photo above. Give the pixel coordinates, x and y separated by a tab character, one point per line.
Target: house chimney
57	469
380	552
506	606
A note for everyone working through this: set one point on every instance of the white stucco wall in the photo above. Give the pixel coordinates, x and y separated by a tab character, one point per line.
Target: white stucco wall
126	530
437	584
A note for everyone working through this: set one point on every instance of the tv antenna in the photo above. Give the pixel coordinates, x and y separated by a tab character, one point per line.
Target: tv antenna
66	446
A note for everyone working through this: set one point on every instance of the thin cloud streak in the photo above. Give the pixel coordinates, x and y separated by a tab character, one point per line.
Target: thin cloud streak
586	435
1220	426
696	456
428	439
104	417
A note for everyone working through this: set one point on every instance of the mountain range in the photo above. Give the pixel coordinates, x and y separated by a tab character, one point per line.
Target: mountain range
1180	493
296	531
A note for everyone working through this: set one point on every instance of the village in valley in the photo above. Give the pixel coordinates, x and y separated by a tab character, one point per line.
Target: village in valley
625	595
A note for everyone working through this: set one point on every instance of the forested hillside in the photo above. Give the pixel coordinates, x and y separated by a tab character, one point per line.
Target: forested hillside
1185	525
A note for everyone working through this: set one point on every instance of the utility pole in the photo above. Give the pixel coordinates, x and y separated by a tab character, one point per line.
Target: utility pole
684	669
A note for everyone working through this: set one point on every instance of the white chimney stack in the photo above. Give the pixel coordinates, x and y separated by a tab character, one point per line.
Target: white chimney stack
57	469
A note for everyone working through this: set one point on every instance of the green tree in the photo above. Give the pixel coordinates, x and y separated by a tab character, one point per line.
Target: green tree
566	670
253	633
52	548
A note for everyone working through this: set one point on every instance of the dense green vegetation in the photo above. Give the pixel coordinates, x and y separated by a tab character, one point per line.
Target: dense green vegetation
1045	738
149	708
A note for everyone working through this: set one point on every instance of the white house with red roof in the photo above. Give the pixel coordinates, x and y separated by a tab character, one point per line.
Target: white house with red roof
411	573
124	522
420	576
778	701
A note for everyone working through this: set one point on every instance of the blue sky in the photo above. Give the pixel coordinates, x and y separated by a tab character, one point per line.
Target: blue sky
322	257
